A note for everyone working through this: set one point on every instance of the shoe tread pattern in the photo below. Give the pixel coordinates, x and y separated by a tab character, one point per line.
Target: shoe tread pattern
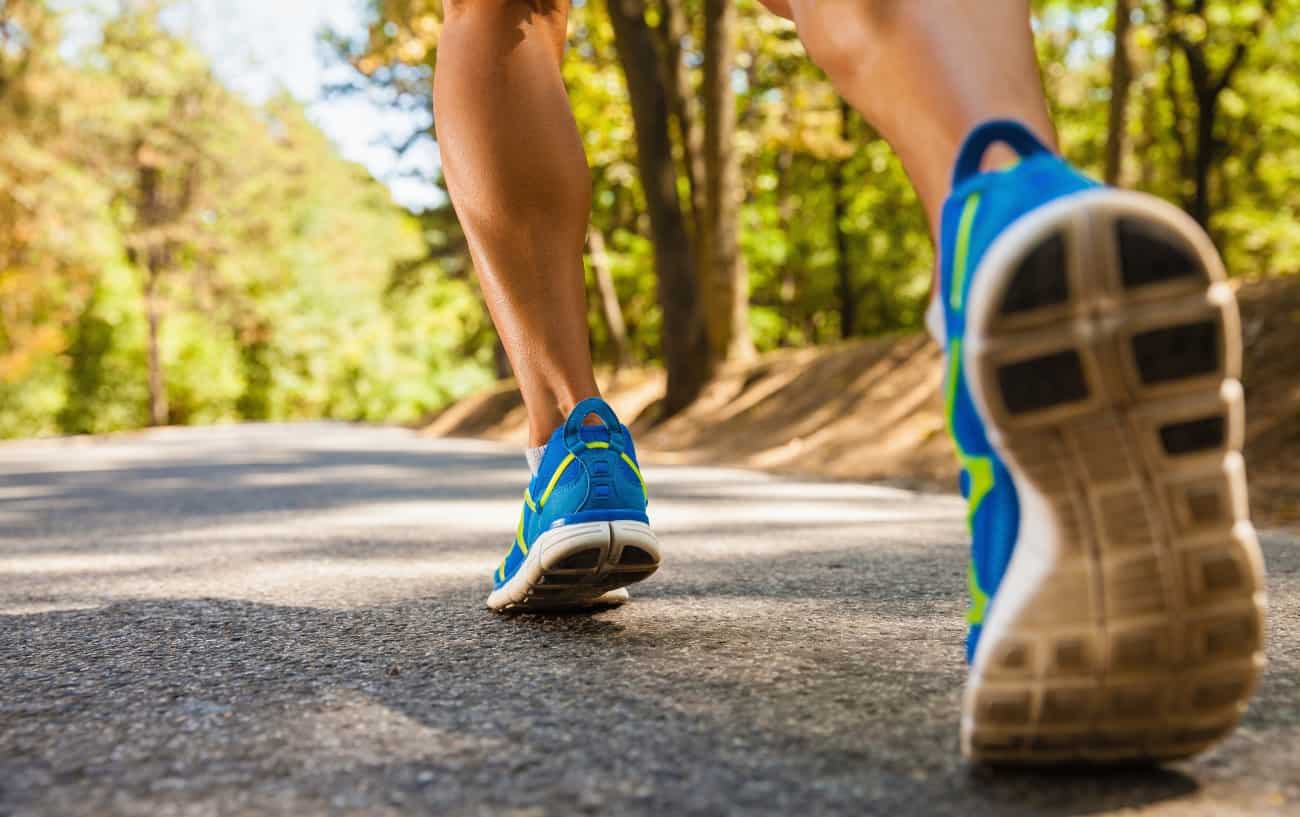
580	572
1120	403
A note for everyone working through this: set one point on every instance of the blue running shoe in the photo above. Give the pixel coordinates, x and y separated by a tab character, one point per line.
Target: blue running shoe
1092	390
583	534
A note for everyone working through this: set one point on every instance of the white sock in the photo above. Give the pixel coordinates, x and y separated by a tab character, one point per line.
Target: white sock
534	457
934	321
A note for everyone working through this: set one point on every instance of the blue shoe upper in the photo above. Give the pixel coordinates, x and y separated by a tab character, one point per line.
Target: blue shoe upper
980	207
589	473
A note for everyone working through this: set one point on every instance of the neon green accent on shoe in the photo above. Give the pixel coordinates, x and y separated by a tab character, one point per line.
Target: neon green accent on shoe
597	444
528	499
554	479
963	251
637	471
519	536
980	469
979	604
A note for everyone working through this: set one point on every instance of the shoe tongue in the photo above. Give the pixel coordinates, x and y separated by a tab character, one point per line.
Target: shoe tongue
594	433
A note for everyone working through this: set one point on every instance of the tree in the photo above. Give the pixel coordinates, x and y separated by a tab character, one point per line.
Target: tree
170	252
685	344
290	286
172	108
843	264
607	294
673	32
1120	80
1205	33
724	281
53	229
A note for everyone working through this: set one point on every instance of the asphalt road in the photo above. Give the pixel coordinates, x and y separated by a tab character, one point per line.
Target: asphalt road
288	620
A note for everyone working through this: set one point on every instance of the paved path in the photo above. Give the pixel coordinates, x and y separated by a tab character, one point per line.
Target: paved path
288	620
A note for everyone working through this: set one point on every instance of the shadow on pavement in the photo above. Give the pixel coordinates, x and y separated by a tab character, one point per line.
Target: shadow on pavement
438	706
265	631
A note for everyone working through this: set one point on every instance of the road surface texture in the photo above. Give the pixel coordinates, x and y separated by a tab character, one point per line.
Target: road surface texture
289	620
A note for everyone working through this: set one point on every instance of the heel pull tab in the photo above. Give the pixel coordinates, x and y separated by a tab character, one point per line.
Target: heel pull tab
1008	132
593	405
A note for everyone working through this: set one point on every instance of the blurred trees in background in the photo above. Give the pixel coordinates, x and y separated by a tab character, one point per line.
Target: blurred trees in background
169	252
1199	103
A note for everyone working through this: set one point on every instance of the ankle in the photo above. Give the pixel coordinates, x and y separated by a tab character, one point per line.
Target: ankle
544	416
540	429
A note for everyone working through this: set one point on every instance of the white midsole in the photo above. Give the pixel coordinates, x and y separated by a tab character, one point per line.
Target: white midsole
558	544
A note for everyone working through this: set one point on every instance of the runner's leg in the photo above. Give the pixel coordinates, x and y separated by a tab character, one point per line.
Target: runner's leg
521	187
925	72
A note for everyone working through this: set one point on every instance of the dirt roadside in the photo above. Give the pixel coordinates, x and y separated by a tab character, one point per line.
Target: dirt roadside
871	410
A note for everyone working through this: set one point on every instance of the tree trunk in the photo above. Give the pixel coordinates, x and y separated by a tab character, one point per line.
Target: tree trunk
685	344
674	29
791	276
153	253
1207	88
1146	138
685	108
1121	78
610	310
158	410
725	290
843	269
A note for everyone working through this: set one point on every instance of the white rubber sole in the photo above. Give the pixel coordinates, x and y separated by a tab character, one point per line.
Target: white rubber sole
577	566
1103	352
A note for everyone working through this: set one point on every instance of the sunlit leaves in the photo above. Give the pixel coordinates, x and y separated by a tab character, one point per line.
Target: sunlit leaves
278	295
301	291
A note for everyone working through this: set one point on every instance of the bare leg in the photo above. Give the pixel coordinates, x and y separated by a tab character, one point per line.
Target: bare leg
925	72
521	187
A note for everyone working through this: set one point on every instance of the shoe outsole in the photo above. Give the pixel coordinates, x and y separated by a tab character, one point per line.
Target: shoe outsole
1103	352
580	566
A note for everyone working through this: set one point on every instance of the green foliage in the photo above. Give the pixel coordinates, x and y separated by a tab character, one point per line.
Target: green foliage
289	286
802	157
128	170
1254	150
104	389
